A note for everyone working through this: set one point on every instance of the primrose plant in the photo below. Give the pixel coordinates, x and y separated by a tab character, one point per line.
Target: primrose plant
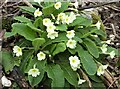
58	47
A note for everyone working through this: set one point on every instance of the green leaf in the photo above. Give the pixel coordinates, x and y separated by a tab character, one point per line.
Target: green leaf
117	51
7	61
87	60
83	33
64	7
60	47
39	23
40	65
95	78
23	30
33	27
62	27
27	9
61	38
69	74
101	33
98	85
25	59
80	20
48	9
37	42
78	39
9	34
91	46
56	74
22	19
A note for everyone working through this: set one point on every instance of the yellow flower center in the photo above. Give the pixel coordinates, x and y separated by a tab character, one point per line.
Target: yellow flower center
38	12
34	70
41	54
57	5
19	49
69	33
71	43
73	61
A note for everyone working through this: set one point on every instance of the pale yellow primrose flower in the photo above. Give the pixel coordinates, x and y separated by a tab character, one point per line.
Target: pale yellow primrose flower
70	34
52	35
71	44
17	50
51	27
58	5
104	48
108	41
101	69
61	17
41	56
5	82
34	72
98	24
46	21
72	17
37	13
80	81
112	54
67	19
74	62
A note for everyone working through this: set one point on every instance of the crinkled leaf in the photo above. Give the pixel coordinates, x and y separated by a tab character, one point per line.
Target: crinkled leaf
101	33
33	27
78	39
91	46
98	85
23	30
22	19
70	75
37	42
80	20
95	78
40	65
61	38
48	9
7	61
39	23
62	27
60	47
29	10
56	74
87	60
9	34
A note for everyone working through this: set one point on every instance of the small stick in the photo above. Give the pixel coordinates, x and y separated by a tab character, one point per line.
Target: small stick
26	2
95	6
114	31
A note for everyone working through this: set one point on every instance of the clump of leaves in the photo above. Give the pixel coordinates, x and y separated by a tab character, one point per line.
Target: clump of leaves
58	48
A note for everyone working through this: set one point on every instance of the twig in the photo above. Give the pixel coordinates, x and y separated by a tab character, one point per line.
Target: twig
26	2
112	83
14	4
111	16
114	31
95	6
114	8
86	78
